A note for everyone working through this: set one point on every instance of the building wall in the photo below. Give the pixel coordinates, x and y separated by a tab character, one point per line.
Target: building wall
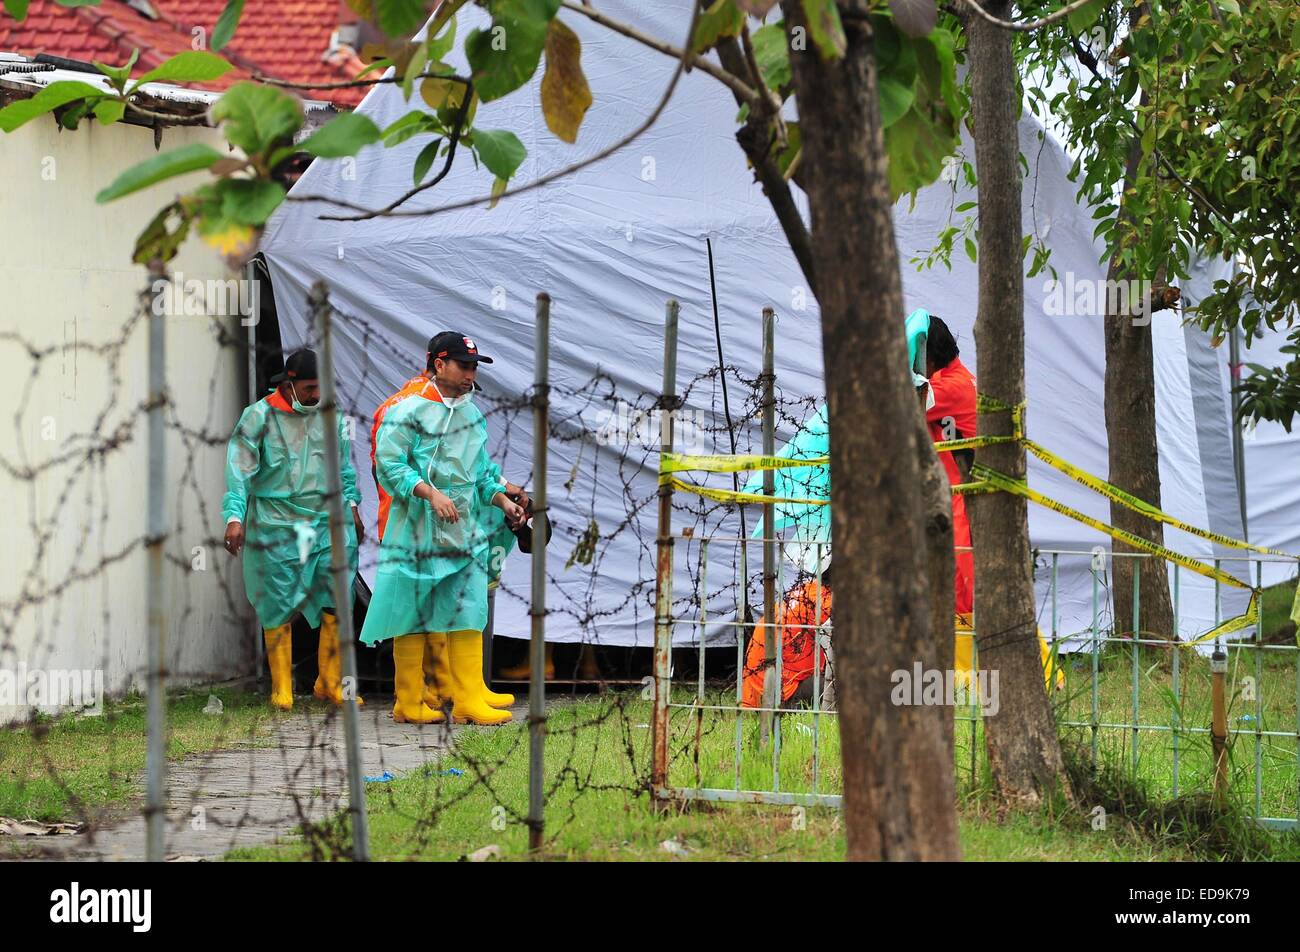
73	428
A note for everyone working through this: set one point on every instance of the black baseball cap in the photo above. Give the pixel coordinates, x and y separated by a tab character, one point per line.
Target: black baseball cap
453	345
301	365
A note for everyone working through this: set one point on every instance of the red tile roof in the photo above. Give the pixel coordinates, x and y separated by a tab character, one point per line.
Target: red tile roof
288	40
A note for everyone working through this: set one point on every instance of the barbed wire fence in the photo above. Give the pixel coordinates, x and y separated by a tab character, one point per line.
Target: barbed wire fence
241	775
83	534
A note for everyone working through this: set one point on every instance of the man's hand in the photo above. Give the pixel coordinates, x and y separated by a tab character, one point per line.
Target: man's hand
444	507
234	538
520	496
515	513
361	526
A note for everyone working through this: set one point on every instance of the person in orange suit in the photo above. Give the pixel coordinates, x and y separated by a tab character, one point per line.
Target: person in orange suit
798	646
951	415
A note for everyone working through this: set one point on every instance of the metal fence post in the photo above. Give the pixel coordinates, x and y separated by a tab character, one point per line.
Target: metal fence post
1219	722
156	756
341	578
664	562
537	611
771	689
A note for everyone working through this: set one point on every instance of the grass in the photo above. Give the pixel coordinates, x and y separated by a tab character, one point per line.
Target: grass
74	767
596	757
596	810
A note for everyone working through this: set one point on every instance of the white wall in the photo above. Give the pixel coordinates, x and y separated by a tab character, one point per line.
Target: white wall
73	379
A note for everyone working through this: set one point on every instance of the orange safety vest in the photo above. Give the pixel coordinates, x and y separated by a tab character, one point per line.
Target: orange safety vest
413	387
798	645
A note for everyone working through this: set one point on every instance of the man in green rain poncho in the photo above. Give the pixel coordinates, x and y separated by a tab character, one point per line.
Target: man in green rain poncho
436	556
276	514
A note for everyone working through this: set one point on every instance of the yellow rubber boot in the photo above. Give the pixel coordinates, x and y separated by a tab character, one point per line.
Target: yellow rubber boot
491	697
521	672
329	679
465	652
1045	651
437	675
408	682
279	658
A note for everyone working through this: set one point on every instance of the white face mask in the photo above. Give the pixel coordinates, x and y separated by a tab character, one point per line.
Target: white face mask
452	403
301	407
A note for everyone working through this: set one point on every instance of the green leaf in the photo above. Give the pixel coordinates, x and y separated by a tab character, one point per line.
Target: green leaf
188	158
424	161
226	24
972	250
399	18
17	8
255	116
498	189
826	29
505	56
565	93
249	201
442	43
109	111
412	124
119	74
158	240
345	134
895	100
772	53
500	150
47	100
192	66
721	19
1085	16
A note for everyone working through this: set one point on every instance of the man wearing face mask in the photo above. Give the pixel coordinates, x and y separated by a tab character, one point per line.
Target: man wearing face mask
437	535
277	485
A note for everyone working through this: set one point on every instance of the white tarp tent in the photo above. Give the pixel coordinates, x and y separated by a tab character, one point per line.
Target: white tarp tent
611	243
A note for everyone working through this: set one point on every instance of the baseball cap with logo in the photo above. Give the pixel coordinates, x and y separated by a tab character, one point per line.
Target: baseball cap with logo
453	345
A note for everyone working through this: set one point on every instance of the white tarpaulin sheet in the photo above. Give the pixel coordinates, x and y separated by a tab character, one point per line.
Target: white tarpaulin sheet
610	244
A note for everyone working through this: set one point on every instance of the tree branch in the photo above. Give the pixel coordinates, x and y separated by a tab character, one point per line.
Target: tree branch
686	58
742	90
1027	25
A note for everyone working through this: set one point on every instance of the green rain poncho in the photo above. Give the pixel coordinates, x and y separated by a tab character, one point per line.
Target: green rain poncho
432	574
276	484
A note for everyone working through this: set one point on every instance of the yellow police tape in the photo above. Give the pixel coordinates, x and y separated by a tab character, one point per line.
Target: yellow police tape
731	495
986	480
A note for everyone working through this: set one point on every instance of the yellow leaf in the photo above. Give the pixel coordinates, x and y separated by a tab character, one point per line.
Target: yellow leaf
565	93
232	241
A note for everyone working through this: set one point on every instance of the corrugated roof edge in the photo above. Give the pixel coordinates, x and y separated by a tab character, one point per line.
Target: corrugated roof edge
22	77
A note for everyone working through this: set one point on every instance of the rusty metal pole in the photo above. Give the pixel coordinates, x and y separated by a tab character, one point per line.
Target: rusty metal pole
664	564
156	746
771	695
1219	723
537	611
341	576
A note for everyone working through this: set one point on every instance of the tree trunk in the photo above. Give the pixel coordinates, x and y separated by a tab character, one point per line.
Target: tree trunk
1023	747
898	773
940	564
1131	438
